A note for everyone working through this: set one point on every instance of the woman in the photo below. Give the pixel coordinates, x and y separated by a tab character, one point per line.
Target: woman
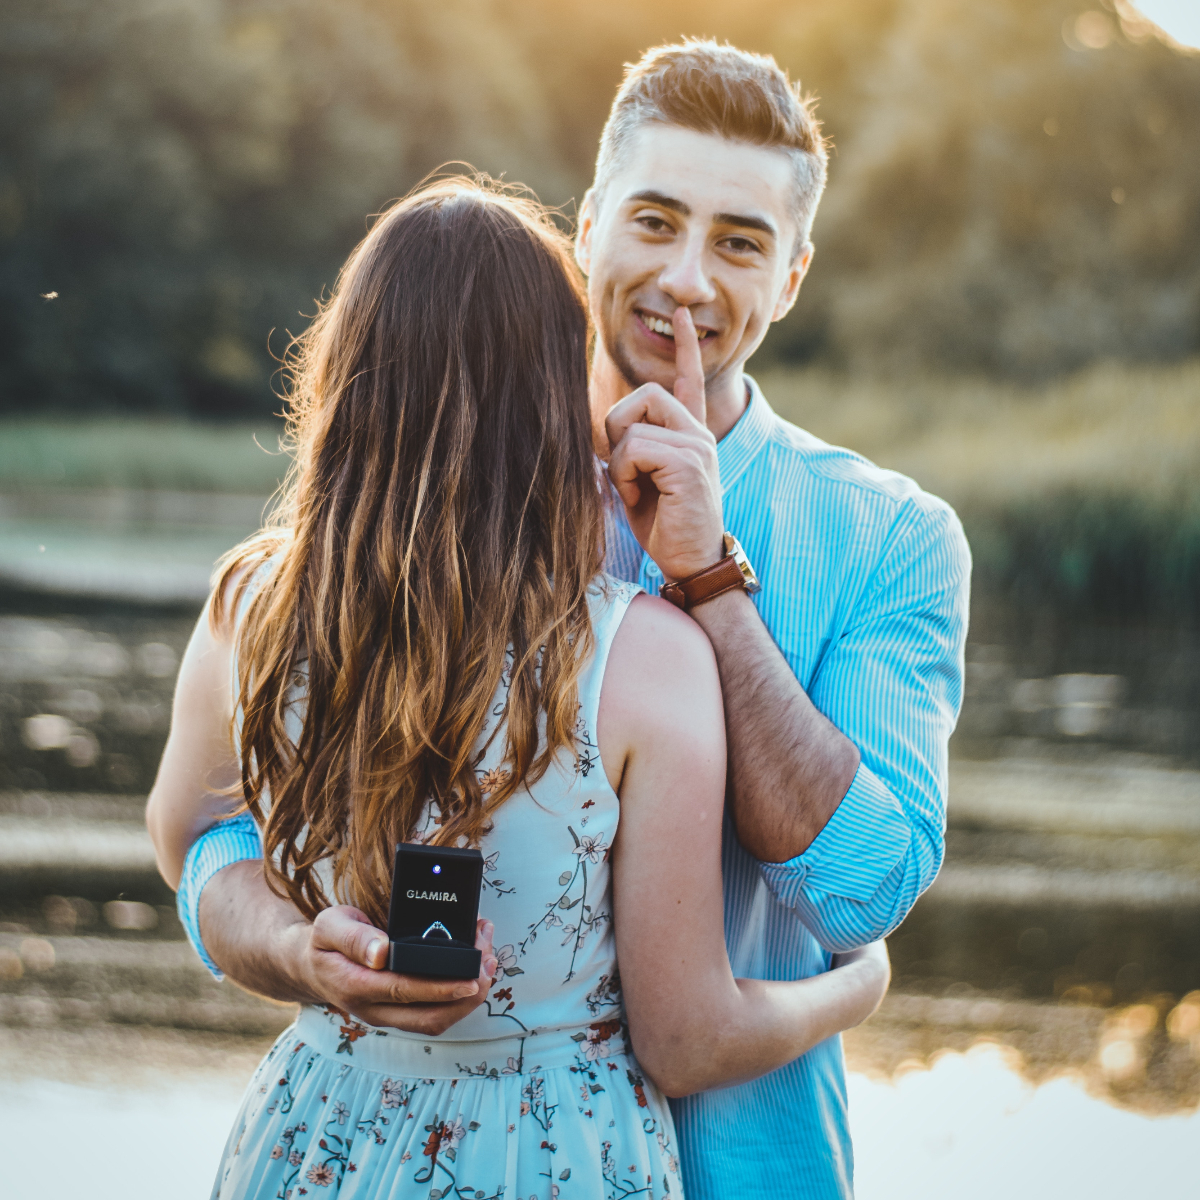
426	649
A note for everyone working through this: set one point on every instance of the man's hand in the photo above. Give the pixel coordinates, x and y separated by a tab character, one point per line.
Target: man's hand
664	464
344	959
263	943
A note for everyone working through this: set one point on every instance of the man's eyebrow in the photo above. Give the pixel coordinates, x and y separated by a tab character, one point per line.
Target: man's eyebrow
745	222
740	220
669	202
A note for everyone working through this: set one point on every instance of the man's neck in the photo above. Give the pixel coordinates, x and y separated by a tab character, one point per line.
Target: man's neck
727	398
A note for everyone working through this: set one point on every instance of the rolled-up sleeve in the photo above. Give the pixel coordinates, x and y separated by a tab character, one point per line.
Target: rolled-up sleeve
233	840
892	683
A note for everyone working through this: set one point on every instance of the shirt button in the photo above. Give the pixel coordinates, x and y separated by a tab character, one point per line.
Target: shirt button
652	569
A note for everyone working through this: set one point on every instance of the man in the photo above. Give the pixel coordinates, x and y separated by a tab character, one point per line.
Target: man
841	672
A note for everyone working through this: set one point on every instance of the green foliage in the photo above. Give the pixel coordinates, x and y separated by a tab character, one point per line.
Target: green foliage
187	175
140	453
1116	560
1009	201
1078	496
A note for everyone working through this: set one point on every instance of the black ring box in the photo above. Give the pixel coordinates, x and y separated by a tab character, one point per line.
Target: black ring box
434	910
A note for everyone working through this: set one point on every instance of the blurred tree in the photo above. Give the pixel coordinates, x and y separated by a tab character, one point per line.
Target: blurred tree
188	175
1011	199
1013	189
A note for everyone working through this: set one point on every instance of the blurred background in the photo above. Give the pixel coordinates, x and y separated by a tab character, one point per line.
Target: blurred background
1005	304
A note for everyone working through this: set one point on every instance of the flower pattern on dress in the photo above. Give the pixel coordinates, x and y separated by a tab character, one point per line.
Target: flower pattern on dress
506	960
490	781
394	1093
374	1105
587	753
598	1042
589	849
494	885
592	848
320	1174
606	994
351	1030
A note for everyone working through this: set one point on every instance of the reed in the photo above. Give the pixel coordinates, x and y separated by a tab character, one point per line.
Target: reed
155	454
1082	495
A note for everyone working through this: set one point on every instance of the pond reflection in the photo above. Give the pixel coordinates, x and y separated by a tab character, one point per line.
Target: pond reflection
961	1124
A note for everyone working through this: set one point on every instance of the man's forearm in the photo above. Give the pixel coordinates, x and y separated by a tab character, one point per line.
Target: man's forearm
251	934
789	767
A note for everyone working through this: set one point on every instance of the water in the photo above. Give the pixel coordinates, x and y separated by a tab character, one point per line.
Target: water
973	1126
968	1125
1035	1020
1072	862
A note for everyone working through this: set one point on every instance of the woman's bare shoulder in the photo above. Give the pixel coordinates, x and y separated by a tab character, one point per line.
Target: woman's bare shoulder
241	572
655	634
661	675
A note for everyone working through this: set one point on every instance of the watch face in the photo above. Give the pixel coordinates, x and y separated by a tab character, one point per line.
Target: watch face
734	548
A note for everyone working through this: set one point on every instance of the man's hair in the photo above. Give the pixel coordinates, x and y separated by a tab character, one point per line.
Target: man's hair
701	85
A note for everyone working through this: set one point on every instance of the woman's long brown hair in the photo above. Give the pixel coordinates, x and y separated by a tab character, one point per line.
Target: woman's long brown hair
439	528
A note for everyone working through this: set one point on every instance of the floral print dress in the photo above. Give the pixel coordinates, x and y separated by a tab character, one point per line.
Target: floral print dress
534	1096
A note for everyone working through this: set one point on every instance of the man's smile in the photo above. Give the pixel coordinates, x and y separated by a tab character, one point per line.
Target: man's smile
660	331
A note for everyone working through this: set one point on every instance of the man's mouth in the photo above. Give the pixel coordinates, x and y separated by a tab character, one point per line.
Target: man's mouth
664	328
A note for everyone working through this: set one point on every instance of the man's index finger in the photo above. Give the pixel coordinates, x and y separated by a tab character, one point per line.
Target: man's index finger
689	370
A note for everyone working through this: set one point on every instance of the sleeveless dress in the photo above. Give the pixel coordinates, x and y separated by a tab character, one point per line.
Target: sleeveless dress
535	1095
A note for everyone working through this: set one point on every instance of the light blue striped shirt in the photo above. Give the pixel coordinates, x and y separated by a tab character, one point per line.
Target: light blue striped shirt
864	589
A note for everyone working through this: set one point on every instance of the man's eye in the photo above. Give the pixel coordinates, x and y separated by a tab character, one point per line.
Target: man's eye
741	245
653	224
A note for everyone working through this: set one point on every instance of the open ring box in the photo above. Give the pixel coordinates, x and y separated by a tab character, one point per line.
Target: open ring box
434	911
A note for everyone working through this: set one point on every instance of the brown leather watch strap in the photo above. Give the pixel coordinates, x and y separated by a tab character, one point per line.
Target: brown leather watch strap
716	580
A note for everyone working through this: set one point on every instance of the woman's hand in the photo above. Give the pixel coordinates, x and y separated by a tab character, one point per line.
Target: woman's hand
343	963
872	972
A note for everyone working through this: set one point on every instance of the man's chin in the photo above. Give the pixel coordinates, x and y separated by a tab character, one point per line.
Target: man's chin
636	374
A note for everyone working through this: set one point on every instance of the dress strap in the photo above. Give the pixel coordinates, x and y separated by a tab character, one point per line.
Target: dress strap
609	599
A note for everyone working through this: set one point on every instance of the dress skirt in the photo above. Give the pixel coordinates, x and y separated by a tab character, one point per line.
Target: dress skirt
338	1108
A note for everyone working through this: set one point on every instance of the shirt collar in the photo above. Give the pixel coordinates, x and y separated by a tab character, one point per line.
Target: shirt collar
740	446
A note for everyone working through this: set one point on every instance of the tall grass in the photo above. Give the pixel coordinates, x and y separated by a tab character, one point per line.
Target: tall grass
1083	495
140	452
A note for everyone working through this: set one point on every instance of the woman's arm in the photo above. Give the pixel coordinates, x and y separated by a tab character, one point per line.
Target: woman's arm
662	734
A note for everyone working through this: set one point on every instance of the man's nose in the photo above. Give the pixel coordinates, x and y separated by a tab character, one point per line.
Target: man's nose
685	278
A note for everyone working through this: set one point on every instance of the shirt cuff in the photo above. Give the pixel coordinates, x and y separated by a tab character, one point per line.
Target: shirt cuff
860	845
235	839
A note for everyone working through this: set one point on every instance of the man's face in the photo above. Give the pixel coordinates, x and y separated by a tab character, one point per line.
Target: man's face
696	220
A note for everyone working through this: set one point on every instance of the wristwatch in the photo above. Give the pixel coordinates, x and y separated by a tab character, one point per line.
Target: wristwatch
733	571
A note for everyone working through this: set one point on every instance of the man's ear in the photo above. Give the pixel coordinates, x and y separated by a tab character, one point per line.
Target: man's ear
583	232
796	274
